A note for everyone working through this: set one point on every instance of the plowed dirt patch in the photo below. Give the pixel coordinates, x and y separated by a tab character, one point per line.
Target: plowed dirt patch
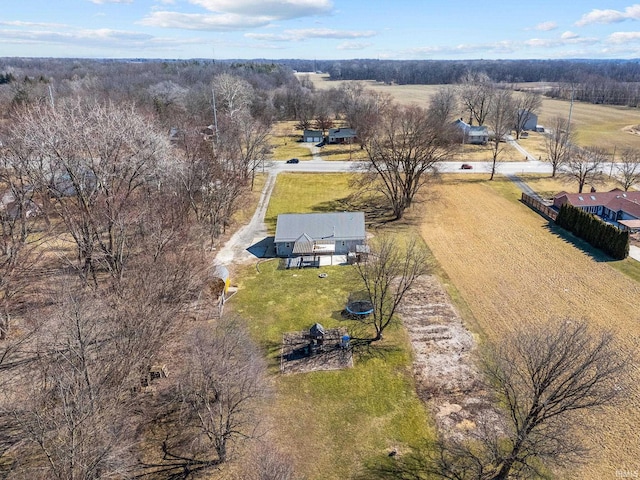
444	365
512	269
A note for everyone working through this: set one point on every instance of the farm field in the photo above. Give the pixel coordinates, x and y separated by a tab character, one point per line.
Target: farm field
512	268
595	125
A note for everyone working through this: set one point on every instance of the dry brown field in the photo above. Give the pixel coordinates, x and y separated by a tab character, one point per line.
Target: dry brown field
512	269
595	125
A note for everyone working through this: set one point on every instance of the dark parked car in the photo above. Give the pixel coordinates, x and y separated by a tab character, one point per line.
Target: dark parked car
293	160
466	166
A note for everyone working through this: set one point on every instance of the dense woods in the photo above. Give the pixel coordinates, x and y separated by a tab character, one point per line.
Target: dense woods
612	82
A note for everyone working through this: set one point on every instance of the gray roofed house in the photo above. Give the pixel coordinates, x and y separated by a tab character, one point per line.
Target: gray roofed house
319	233
475	135
341	135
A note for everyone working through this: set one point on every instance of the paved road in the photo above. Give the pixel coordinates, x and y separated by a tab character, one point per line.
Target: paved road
235	250
322	166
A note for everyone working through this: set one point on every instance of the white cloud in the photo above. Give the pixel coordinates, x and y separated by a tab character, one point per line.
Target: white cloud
303	34
569	35
623	37
610	16
196	21
280	9
237	14
353	46
18	23
546	26
330	33
104	37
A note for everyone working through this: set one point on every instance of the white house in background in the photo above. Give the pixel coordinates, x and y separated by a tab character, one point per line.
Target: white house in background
474	135
313	234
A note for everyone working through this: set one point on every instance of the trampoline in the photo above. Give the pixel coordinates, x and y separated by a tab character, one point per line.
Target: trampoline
359	308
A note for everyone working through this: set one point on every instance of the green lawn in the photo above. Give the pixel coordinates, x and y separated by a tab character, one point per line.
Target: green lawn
306	193
331	422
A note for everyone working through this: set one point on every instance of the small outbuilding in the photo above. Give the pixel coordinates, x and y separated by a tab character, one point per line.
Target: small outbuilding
312	136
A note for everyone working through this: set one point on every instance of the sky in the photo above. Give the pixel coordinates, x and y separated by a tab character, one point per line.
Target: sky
321	29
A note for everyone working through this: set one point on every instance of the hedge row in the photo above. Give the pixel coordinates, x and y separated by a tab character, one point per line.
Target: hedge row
611	240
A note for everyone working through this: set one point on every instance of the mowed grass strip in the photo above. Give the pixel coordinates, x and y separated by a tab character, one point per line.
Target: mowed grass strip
307	193
512	268
329	423
286	144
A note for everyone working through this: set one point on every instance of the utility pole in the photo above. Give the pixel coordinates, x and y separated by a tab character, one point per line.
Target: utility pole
570	107
215	115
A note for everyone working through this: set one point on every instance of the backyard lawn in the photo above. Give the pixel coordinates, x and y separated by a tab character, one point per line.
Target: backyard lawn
330	423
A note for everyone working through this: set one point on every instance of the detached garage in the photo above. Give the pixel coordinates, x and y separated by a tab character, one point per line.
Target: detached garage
312	136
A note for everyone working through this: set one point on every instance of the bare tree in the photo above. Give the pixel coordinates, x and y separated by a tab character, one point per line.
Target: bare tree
211	183
585	165
362	108
267	463
404	151
443	104
387	273
526	104
547	377
244	140
476	94
558	144
73	422
219	395
232	94
500	121
628	168
94	159
22	231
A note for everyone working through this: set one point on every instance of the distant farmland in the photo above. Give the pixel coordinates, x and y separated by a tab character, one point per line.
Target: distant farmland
598	125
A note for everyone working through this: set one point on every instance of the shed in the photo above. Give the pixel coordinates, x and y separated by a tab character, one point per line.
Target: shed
221	280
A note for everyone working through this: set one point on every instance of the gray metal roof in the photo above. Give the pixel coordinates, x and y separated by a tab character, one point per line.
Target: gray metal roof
319	226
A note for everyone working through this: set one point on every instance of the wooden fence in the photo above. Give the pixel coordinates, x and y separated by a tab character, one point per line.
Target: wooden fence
539	207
